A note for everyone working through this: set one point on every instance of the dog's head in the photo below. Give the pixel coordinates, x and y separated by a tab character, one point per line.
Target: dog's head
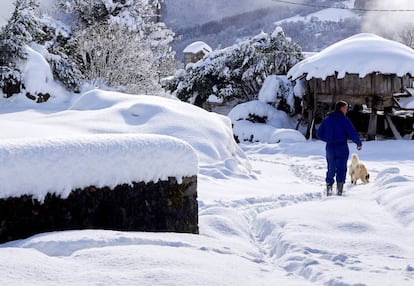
355	158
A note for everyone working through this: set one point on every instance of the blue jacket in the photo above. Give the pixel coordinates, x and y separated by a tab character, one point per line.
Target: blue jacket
336	129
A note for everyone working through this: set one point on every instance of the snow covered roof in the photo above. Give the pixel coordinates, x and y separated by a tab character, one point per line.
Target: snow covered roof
197	47
360	54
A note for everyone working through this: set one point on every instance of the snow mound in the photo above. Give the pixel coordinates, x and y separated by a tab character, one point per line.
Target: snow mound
37	74
360	54
39	166
259	132
257	108
93	100
395	193
210	134
256	121
197	47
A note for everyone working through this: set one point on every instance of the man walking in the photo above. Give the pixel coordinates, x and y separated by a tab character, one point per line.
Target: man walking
335	130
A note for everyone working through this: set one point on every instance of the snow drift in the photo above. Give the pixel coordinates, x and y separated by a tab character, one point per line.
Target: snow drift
105	112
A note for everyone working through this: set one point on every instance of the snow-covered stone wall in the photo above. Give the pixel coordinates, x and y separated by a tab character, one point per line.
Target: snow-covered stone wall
40	166
123	182
166	206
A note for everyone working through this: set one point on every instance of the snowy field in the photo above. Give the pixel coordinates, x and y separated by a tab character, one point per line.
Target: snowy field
263	219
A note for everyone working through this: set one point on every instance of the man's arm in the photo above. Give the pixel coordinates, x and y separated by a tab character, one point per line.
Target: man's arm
321	132
353	134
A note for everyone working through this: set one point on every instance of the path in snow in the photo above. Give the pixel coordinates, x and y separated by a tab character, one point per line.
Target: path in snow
350	240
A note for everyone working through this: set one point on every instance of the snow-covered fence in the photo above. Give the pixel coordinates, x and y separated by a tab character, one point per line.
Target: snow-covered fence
128	182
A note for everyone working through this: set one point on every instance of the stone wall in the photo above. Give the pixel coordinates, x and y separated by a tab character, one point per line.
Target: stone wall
163	206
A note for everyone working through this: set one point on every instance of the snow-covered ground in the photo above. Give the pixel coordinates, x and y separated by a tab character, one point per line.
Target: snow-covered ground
277	228
268	225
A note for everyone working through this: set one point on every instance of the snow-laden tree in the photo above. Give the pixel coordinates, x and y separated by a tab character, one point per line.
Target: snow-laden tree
407	35
129	12
62	55
14	36
235	73
121	43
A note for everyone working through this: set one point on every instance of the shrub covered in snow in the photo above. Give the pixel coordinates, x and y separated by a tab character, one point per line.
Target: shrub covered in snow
256	121
61	52
236	72
122	44
26	33
270	119
278	91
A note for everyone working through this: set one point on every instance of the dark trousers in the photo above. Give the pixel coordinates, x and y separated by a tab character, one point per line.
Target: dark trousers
337	158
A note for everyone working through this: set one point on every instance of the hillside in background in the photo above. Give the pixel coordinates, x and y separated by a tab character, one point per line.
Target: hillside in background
222	23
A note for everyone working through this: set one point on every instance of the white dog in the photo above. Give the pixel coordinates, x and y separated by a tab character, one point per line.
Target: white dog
357	170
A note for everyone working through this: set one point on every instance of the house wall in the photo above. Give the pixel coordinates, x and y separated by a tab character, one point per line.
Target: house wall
375	90
193	58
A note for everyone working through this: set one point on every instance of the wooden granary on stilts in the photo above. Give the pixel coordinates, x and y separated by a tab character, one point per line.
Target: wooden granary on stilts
368	72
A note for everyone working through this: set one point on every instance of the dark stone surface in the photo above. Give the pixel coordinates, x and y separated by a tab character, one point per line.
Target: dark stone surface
164	206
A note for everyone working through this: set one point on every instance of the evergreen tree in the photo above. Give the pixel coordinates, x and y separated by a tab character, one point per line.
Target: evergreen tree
18	32
235	73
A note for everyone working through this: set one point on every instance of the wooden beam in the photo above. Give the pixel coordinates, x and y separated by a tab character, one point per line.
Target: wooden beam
372	126
351	99
394	130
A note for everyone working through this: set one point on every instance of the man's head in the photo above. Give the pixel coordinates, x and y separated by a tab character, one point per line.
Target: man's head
341	106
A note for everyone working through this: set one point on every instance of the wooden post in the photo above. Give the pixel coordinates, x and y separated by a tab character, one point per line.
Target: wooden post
310	124
311	132
372	126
